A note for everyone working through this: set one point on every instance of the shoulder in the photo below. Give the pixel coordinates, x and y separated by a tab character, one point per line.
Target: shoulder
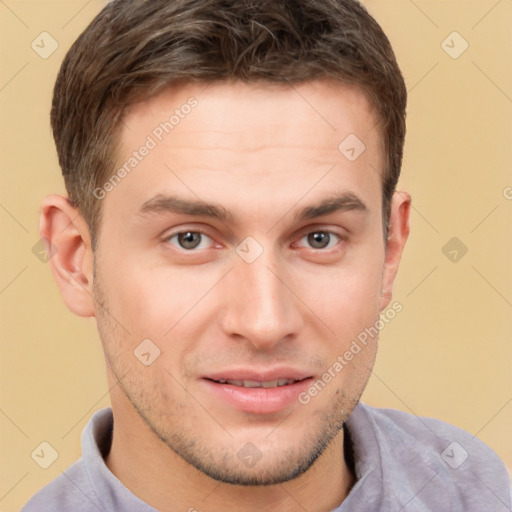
434	456
448	446
82	486
70	491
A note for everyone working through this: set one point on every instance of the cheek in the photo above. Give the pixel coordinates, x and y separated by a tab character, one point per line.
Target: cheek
164	304
347	297
140	290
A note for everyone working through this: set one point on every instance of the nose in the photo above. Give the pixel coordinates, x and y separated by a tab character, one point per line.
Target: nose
259	305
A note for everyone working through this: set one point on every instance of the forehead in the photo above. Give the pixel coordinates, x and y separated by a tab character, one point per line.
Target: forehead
248	113
238	144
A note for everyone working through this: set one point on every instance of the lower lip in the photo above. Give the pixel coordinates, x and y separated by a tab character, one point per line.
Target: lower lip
258	400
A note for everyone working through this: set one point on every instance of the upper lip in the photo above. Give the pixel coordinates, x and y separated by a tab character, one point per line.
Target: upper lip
259	375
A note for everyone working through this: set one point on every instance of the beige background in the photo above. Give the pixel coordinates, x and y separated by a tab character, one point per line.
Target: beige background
448	354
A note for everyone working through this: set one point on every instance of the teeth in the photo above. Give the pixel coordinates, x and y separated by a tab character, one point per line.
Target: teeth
251	384
257	384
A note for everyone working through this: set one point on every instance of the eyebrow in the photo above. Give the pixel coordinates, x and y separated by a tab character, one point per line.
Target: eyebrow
170	204
346	201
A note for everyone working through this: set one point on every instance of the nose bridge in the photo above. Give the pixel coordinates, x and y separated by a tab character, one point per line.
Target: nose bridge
265	290
261	308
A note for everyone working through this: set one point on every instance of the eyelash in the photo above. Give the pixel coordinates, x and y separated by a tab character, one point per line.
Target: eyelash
331	233
326	231
195	231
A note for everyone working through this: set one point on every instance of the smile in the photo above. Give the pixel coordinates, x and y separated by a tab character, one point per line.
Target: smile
258	384
259	397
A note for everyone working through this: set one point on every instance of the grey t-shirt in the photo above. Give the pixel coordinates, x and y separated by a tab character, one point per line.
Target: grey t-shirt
402	463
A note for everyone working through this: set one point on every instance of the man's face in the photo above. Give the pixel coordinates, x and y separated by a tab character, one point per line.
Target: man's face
246	246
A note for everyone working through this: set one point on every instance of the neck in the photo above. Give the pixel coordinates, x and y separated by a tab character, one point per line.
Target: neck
154	473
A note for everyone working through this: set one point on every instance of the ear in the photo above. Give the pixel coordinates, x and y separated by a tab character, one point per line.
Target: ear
66	235
397	236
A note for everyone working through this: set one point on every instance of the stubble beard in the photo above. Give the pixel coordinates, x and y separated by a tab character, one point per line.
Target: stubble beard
218	462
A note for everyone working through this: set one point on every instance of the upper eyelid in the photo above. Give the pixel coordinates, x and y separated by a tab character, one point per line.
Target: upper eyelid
340	237
330	231
302	231
183	231
298	235
341	232
176	247
169	233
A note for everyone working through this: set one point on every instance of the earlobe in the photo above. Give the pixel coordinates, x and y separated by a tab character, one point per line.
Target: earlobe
397	236
70	255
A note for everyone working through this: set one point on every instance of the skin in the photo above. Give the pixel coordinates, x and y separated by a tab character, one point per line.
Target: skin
264	154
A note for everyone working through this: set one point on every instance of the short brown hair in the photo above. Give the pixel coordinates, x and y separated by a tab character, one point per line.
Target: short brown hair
138	47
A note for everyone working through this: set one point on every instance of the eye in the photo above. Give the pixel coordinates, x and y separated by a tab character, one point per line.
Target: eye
321	239
190	240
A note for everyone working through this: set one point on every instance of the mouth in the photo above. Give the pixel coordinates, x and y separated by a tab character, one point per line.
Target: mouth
267	384
258	394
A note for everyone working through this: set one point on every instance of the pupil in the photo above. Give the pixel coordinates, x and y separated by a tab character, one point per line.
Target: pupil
189	240
319	240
